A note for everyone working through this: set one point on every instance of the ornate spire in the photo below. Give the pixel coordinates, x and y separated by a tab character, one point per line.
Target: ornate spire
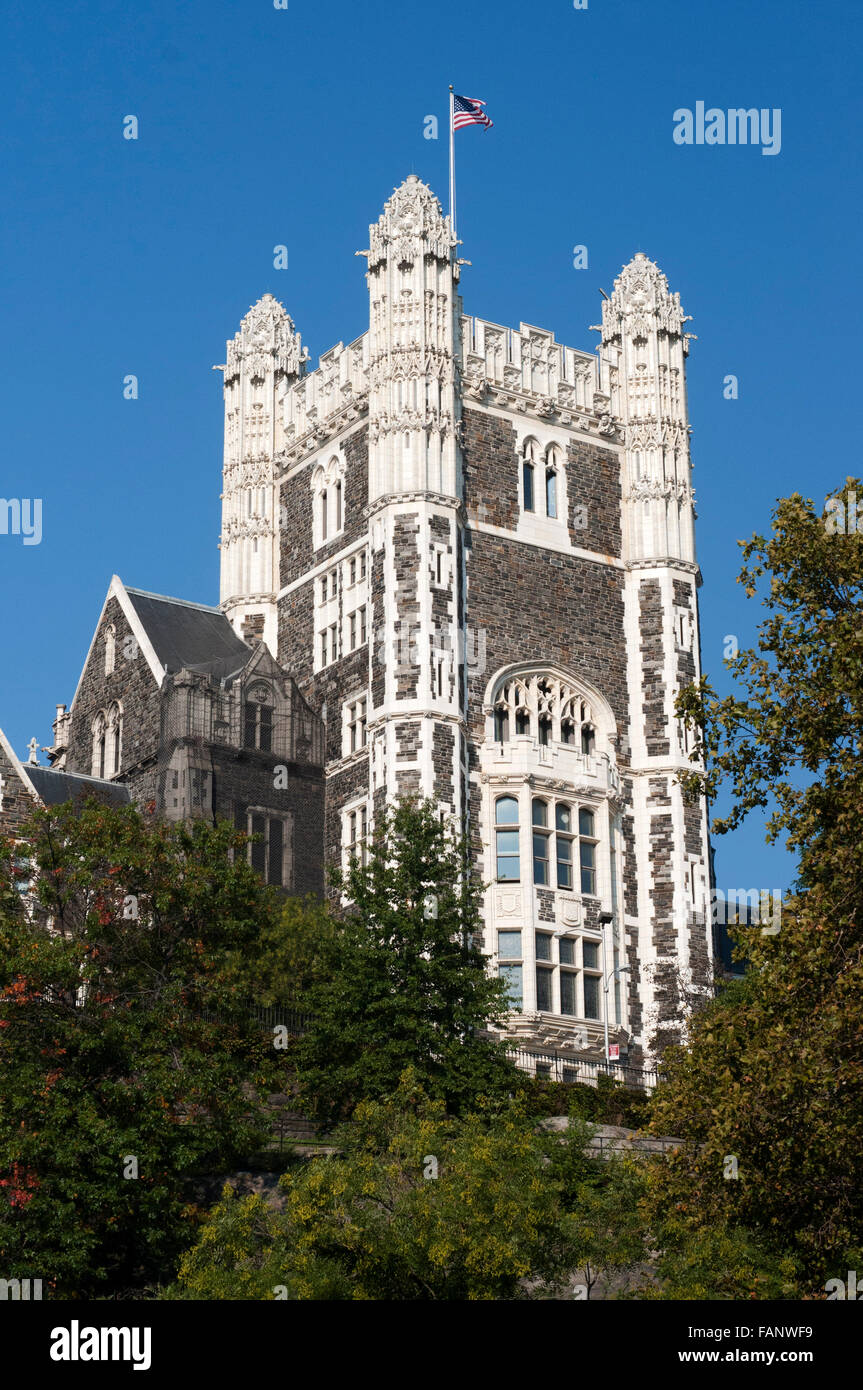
641	300
267	341
412	223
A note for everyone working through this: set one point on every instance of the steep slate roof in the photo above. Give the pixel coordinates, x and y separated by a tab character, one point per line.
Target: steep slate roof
53	787
189	635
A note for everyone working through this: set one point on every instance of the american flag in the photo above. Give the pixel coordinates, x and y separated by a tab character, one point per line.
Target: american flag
468	111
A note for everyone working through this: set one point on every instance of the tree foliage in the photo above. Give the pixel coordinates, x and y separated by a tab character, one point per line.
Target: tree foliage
422	1204
773	1076
127	1057
402	981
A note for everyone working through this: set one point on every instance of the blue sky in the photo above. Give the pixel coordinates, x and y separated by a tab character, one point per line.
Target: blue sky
260	127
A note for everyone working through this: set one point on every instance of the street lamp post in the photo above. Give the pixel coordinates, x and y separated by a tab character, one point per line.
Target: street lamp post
618	971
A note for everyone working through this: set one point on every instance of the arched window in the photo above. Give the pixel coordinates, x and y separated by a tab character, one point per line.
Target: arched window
541	841
501	724
552	468
328	495
546	706
110	649
506	839
99	729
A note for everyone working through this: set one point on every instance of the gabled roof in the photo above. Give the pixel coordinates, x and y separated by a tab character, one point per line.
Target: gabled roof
189	635
173	633
53	787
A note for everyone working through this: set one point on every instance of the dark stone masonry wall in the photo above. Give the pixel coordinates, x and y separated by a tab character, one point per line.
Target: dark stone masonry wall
246	777
407	561
593	483
132	683
653	680
443	751
490	468
17	804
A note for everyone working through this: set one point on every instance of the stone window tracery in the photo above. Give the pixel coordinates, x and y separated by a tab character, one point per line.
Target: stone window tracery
546	708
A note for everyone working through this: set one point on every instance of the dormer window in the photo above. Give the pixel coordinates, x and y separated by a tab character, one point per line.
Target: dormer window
258	719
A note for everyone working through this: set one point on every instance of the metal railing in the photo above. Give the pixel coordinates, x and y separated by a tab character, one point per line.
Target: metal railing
553	1066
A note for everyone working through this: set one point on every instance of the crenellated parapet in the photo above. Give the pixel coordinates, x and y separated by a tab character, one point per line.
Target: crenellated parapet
524	369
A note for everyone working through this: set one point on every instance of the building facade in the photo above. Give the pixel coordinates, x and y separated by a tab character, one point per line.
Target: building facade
458	562
473	548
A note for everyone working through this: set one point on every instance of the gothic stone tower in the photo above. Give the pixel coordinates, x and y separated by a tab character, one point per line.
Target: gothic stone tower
263	356
486	583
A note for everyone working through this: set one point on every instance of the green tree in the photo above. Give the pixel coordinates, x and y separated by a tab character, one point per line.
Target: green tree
127	1058
420	1204
402	982
768	1097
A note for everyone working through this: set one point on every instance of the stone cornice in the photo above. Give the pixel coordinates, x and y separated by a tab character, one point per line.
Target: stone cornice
437	499
323	430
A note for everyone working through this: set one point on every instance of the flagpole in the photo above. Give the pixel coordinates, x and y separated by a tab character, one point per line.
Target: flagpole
451	162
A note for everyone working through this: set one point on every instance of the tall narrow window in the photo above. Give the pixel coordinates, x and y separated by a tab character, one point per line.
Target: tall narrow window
568	977
357	833
258	725
544	730
551	492
324	517
522	721
506	838
275	867
113	742
527	471
363	634
512	975
591	982
338	526
250	720
588	739
99	734
501	724
510	967
544	977
265	729
563	836
540	842
587	850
